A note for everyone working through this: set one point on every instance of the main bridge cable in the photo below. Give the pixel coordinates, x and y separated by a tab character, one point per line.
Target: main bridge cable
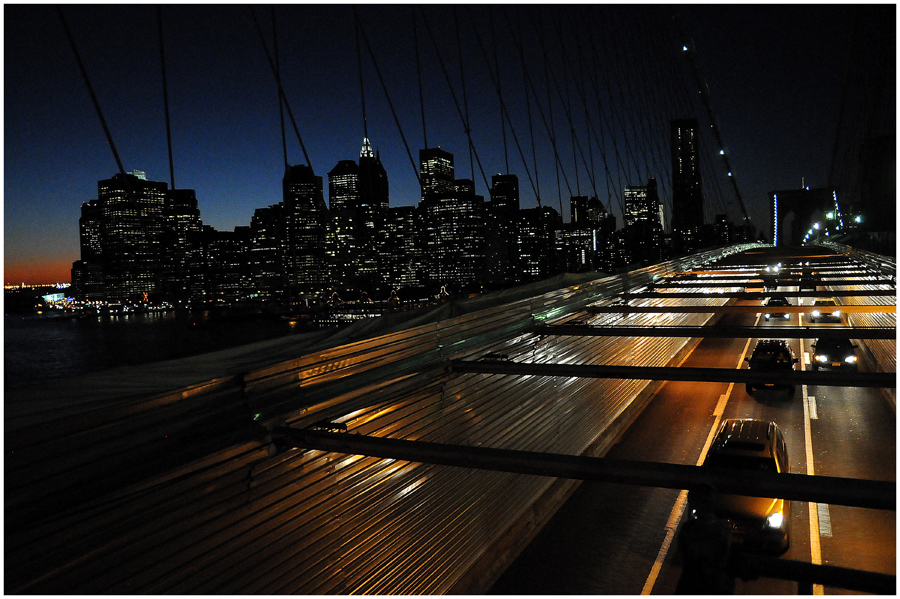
453	95
280	87
96	102
704	95
505	112
387	95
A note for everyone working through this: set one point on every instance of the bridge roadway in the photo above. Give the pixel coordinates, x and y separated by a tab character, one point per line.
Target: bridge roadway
213	488
613	539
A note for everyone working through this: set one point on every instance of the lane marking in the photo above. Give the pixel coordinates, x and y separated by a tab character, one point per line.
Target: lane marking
813	415
815	547
824	520
681	502
720	407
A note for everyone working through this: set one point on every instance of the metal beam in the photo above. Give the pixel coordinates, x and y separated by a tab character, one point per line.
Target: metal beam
759	281
814	332
756	294
749	567
846	309
796	487
682	373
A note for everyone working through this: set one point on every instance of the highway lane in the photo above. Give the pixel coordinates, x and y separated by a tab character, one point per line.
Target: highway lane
616	539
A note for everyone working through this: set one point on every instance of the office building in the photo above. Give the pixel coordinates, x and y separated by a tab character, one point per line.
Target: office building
687	192
306	221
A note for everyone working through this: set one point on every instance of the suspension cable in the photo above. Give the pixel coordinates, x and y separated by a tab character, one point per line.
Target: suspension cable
280	103
419	74
452	93
503	104
162	60
90	88
280	88
462	78
387	95
362	87
499	94
704	95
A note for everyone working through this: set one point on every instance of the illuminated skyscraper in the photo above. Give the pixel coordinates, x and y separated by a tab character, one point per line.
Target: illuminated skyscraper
345	223
687	193
306	220
267	247
501	226
435	171
452	223
131	224
643	227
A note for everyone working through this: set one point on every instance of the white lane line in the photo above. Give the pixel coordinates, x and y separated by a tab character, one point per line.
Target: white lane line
815	547
681	502
824	520
813	415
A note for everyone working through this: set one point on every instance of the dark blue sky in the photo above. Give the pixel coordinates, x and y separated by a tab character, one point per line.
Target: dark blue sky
775	76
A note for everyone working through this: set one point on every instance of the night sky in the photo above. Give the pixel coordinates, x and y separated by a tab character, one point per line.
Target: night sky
775	76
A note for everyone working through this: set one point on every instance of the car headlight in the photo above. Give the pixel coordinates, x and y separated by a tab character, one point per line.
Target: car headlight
775	520
850	359
787	315
816	313
821	358
836	313
768	315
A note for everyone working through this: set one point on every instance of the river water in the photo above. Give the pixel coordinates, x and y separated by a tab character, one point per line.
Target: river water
43	347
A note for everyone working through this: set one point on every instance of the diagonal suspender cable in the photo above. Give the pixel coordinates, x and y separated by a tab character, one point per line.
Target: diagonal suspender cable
92	94
280	88
503	104
419	75
453	93
462	78
362	88
525	79
497	66
162	60
387	96
280	103
547	125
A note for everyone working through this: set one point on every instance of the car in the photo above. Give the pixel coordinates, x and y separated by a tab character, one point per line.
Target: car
825	309
837	354
774	302
771	355
759	524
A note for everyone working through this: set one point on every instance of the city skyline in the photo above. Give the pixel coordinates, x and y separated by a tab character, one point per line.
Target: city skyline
232	157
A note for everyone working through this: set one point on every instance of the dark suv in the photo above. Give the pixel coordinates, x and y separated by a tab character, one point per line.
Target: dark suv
771	355
759	524
839	354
